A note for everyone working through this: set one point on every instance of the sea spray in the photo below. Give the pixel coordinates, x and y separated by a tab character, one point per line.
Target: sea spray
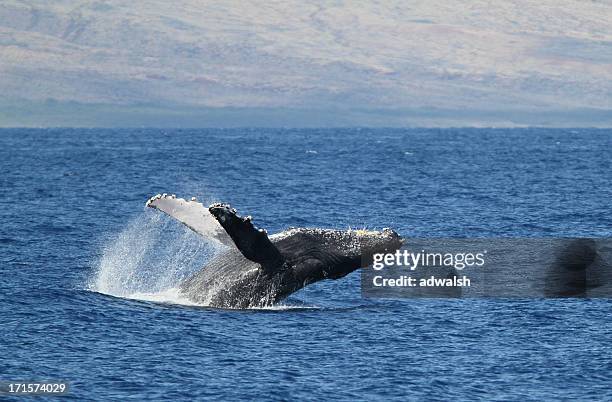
149	258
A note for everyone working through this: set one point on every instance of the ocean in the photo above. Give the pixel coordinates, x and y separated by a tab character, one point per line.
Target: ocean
88	291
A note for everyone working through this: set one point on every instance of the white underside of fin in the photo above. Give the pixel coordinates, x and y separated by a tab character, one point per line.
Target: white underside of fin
191	213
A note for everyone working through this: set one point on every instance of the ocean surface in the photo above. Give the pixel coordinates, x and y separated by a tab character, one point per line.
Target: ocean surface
88	276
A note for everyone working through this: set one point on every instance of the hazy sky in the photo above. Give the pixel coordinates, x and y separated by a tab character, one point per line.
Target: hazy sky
200	63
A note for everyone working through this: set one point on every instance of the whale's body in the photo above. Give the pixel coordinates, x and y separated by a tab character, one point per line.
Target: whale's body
233	281
256	270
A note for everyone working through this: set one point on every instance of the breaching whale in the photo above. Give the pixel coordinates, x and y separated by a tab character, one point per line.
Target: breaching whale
257	270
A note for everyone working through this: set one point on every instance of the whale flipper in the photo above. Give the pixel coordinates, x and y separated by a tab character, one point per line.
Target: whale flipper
220	222
252	242
192	214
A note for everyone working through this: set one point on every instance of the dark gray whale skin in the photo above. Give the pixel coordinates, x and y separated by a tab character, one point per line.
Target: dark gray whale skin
262	270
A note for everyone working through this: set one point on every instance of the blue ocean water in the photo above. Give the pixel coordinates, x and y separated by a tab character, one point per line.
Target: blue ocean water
86	270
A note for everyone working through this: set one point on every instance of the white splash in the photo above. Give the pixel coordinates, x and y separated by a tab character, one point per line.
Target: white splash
150	258
168	296
287	307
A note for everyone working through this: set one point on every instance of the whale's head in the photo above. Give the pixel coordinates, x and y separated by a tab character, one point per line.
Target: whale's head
375	242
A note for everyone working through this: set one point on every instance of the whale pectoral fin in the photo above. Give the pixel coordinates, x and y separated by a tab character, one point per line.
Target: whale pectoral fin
252	242
192	214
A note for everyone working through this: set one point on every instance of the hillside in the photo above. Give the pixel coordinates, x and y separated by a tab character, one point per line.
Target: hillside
418	62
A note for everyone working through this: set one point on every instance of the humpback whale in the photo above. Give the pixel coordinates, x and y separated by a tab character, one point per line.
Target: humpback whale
257	270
